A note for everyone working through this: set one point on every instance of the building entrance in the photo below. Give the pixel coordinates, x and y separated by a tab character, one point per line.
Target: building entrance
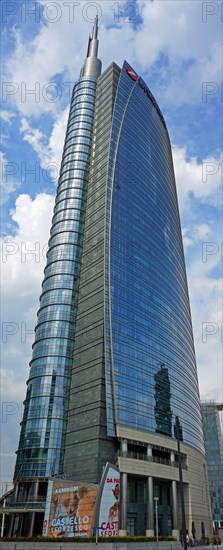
137	507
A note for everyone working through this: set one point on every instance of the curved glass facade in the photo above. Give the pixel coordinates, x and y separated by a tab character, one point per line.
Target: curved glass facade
151	372
149	351
43	428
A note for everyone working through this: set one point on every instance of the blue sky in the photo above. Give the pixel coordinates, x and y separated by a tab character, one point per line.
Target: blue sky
176	47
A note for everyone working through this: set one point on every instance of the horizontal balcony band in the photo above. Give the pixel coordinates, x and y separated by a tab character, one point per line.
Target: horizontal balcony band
156	459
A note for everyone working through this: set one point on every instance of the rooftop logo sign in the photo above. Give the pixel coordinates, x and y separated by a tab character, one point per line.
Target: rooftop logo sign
131	73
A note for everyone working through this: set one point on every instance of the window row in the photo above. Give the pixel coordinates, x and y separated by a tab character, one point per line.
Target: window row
71	225
65	267
79	143
51	363
59	296
79	193
54	332
71	192
73	168
70	214
78	126
64	252
65	238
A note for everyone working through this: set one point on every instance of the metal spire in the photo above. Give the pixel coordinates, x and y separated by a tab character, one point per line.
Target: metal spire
95	28
92	65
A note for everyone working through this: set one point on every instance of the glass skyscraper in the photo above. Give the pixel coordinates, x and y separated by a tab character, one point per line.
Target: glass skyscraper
113	359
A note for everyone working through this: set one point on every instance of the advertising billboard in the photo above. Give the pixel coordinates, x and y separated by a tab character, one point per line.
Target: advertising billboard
109	502
69	509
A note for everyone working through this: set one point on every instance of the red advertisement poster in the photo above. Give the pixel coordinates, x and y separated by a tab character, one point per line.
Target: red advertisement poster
109	506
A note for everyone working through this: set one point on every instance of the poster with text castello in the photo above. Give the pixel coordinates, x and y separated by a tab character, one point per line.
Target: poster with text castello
69	510
109	507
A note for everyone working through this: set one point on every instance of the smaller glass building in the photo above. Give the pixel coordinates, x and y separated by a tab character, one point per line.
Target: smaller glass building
213	442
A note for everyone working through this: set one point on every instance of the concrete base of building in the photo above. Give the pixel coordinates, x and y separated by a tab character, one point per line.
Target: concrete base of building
163	545
194	467
149	532
176	534
122	533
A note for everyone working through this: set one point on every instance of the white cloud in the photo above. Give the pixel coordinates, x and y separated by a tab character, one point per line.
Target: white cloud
6	116
187	240
48	54
48	149
160	18
7	182
205	284
24	254
36	139
23	260
193	49
191	84
195	234
57	137
206	304
202	231
205	287
201	179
